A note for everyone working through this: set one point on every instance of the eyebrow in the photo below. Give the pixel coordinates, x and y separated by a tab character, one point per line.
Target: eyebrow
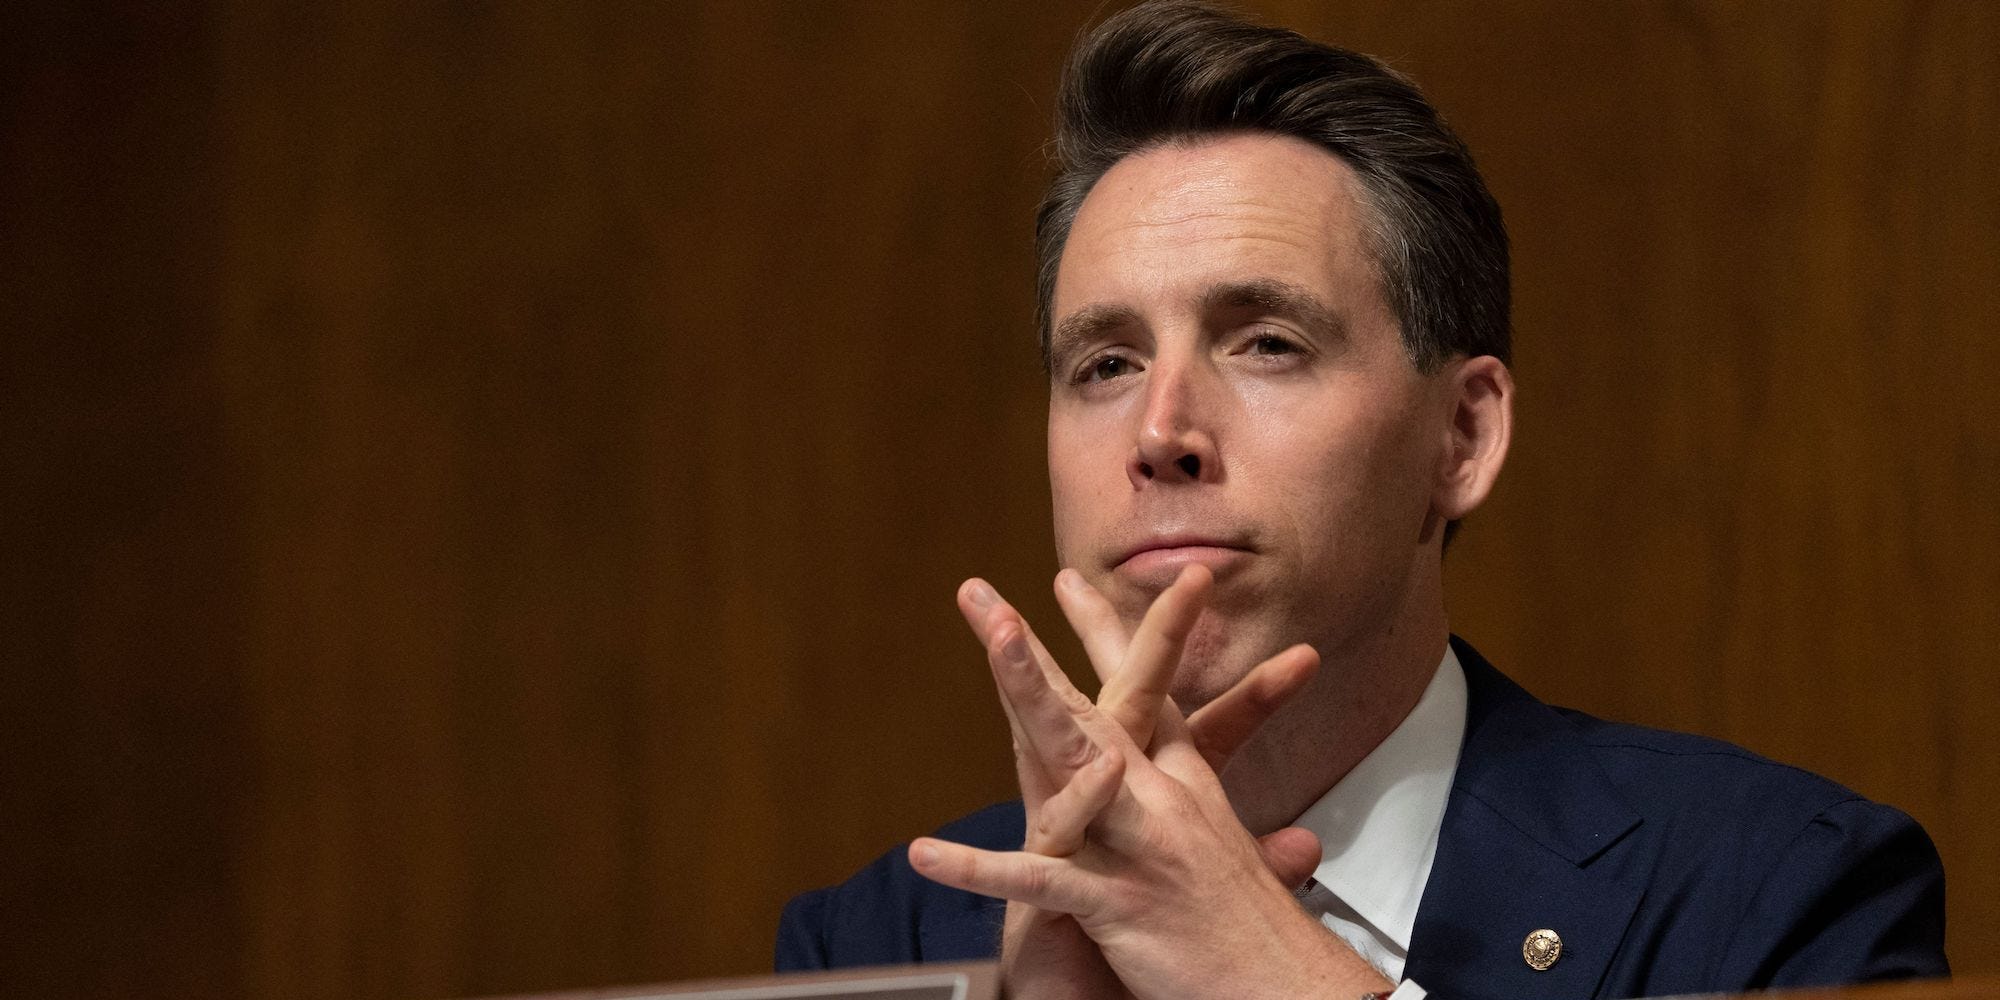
1263	295
1276	298
1085	325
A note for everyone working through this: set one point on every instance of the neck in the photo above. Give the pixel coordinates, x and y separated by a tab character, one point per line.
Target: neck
1365	688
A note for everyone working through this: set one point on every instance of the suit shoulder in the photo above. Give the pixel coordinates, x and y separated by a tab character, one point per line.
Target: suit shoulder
1809	882
1683	778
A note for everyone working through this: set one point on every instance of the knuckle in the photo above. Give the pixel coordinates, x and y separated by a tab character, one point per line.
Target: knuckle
970	869
1043	832
1035	881
1076	701
1076	752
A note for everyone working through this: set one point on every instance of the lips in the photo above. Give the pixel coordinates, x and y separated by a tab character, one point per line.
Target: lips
1179	542
1158	559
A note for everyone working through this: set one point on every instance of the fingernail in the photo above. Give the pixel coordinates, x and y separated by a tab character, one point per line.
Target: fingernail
1015	649
981	594
1102	763
1069	578
924	855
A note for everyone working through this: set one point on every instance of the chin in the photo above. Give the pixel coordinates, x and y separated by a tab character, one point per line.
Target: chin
1210	664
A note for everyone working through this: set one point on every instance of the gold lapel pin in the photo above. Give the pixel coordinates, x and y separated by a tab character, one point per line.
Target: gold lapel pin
1541	949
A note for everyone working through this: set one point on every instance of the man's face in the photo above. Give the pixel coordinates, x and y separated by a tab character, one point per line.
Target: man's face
1229	388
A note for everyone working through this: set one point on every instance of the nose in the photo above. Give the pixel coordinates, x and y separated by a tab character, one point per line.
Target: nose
1175	441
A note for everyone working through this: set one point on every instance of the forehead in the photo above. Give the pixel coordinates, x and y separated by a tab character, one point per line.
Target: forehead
1174	221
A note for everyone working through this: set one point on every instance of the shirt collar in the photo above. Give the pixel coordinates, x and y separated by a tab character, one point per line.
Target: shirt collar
1378	826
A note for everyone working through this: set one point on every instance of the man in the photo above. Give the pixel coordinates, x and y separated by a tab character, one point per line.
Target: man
1274	307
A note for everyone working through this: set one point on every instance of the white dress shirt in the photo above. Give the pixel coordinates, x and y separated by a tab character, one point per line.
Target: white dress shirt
1378	829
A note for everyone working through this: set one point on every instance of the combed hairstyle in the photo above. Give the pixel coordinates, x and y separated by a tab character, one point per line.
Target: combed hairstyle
1172	72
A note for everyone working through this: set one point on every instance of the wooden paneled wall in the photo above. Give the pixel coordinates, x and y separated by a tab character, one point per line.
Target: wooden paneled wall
484	483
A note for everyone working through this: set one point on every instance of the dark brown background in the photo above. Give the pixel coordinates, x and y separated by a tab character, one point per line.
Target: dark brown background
484	484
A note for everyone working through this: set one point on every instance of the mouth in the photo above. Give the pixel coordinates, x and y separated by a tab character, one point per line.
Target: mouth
1157	561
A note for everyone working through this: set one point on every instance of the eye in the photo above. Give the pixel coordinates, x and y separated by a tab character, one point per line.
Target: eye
1270	344
1104	369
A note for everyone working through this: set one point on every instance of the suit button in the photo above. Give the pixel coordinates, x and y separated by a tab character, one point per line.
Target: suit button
1541	949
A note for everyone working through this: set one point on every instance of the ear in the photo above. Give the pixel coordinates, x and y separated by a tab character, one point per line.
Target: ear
1479	393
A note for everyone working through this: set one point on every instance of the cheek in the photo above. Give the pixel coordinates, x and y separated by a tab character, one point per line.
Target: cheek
1359	484
1067	517
1076	493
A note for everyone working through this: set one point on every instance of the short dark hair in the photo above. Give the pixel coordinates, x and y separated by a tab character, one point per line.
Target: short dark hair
1167	72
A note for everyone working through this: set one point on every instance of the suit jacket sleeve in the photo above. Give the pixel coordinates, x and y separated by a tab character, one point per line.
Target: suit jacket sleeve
871	919
802	933
887	914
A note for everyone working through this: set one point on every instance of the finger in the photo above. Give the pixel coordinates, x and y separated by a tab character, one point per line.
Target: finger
1292	854
1049	883
1046	710
1133	697
1057	829
1221	727
984	609
1094	621
977	600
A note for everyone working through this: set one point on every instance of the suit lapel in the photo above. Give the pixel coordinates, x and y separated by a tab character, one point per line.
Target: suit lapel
1534	838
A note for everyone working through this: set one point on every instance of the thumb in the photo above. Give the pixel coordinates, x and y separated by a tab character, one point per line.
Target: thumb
1291	853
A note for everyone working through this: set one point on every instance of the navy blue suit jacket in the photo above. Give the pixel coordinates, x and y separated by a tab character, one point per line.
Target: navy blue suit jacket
1667	863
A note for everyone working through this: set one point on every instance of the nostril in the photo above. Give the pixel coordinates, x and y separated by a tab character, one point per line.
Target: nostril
1191	465
1146	469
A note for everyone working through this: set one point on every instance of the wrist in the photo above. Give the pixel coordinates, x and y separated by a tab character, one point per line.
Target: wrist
1322	964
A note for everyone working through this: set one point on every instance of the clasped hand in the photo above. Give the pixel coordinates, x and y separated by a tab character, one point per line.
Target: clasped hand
1136	877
